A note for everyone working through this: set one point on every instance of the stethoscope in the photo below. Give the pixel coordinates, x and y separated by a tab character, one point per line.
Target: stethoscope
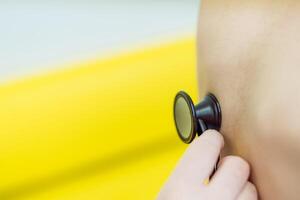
191	119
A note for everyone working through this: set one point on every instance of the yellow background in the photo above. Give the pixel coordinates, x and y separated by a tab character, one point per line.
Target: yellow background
98	130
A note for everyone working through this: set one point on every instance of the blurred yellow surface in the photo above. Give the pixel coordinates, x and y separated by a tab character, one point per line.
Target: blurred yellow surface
98	130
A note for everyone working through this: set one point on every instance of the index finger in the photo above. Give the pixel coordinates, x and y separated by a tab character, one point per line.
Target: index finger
199	160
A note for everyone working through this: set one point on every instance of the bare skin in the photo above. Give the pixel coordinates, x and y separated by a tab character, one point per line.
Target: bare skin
249	58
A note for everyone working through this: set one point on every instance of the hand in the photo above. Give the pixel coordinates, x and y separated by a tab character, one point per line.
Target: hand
188	181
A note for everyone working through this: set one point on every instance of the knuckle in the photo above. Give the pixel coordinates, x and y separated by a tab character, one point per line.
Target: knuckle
252	189
238	164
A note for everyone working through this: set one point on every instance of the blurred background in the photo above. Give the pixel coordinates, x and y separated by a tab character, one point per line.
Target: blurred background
86	94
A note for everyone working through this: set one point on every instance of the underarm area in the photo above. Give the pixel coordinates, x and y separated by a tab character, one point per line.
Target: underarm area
248	56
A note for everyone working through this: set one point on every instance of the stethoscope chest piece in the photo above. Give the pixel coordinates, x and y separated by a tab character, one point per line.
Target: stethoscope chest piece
191	119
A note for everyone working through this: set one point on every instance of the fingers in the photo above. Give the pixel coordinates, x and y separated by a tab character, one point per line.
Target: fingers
200	158
231	177
249	192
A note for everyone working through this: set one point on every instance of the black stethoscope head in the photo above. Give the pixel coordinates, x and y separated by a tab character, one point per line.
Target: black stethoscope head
191	119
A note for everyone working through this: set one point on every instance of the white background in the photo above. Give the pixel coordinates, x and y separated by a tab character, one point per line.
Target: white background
38	35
